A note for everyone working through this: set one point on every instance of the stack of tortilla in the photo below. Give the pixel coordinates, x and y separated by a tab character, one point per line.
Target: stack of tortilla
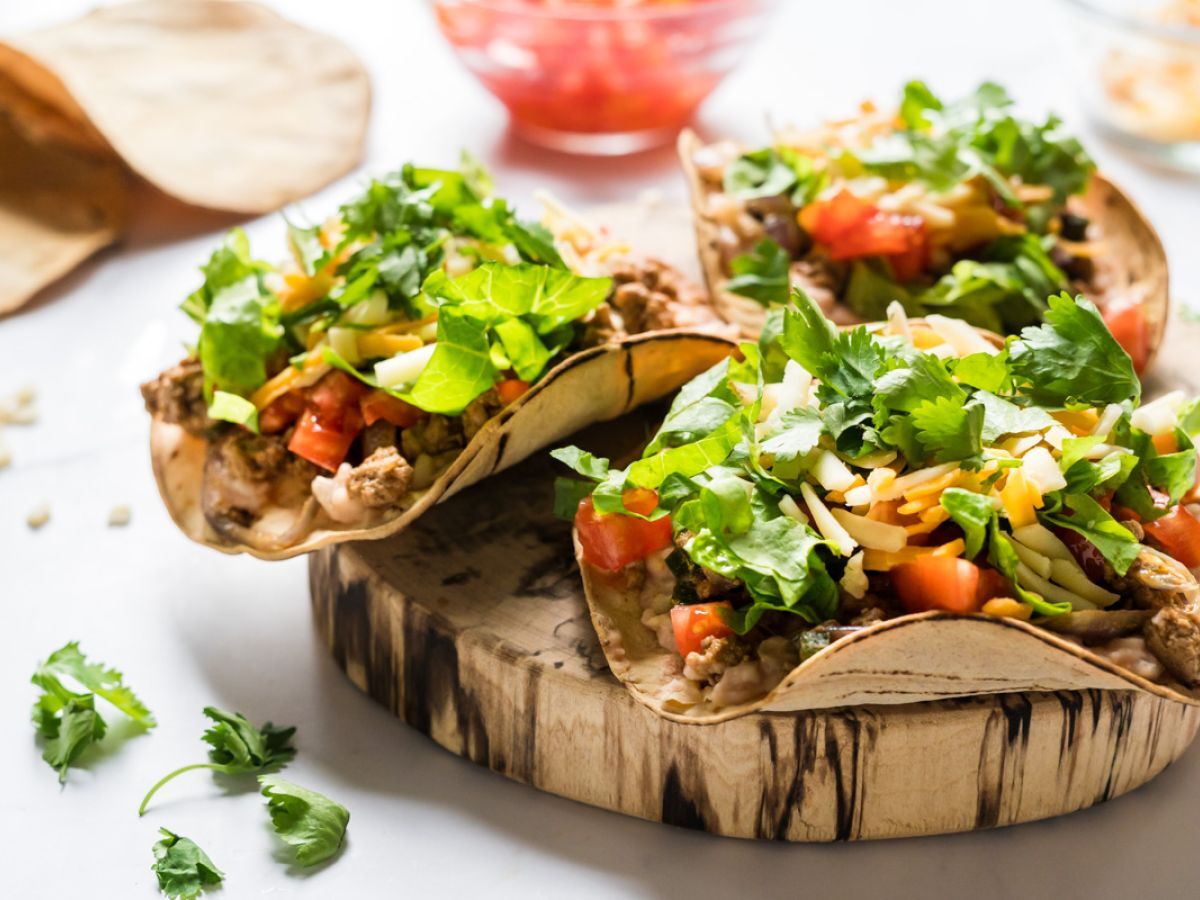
218	104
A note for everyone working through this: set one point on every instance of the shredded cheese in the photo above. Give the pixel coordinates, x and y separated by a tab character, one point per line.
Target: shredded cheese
829	527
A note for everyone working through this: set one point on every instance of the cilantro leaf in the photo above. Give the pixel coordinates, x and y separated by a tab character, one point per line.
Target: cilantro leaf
182	868
1073	358
925	379
309	822
67	720
798	434
1001	417
808	337
238	748
984	371
772	172
761	274
950	430
568	494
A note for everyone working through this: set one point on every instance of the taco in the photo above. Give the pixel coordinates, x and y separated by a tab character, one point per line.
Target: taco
959	209
414	343
895	513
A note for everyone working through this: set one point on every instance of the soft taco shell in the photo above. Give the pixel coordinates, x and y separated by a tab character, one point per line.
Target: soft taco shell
595	385
217	103
57	208
1132	265
928	656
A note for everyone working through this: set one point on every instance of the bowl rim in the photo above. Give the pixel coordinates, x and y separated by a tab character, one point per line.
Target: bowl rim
586	13
1176	33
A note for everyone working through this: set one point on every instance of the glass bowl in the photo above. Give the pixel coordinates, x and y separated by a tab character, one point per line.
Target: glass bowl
1138	68
600	76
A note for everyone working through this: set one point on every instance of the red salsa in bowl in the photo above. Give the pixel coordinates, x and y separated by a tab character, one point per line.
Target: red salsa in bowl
600	76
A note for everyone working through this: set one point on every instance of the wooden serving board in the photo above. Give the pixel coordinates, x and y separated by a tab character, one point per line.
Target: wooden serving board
472	628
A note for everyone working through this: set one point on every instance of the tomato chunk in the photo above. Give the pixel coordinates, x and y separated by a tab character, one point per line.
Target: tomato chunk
938	582
613	541
511	389
1178	534
379	404
1127	322
852	228
330	422
280	413
692	623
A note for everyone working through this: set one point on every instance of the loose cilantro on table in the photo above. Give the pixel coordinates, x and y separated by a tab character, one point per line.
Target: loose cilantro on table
238	748
312	824
182	868
67	720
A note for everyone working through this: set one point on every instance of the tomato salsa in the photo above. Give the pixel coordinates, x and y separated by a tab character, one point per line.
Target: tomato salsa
596	67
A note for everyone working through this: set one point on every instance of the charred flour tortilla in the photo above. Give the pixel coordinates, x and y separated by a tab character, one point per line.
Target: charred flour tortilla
415	342
741	197
955	541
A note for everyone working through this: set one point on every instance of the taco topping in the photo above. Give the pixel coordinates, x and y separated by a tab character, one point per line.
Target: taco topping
335	388
959	209
832	479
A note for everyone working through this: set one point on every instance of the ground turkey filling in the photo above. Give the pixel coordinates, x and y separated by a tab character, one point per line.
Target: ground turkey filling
1157	635
246	474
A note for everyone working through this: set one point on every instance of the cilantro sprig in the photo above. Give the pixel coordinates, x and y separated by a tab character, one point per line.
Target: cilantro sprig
67	720
238	748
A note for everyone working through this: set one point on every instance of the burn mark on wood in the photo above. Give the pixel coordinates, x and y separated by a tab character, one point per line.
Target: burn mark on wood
678	806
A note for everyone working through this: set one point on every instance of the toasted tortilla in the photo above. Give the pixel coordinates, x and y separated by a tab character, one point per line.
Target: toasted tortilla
1133	267
57	208
927	656
595	385
217	103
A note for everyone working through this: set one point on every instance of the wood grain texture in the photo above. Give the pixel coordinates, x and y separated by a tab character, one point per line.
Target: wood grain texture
471	628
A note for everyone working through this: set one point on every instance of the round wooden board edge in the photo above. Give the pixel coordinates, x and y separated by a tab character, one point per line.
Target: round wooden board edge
802	777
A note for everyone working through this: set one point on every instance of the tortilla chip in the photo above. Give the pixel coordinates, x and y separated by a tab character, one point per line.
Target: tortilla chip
57	208
594	385
219	104
1133	264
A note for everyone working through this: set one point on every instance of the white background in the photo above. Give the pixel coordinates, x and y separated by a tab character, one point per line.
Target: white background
190	627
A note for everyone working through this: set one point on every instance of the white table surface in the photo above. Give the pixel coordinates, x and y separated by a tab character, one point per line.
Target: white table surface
190	627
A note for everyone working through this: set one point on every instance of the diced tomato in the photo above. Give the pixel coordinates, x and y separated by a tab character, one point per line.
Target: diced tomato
1127	322
280	413
612	541
377	404
851	228
938	582
692	623
511	389
1178	534
330	422
992	584
336	394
